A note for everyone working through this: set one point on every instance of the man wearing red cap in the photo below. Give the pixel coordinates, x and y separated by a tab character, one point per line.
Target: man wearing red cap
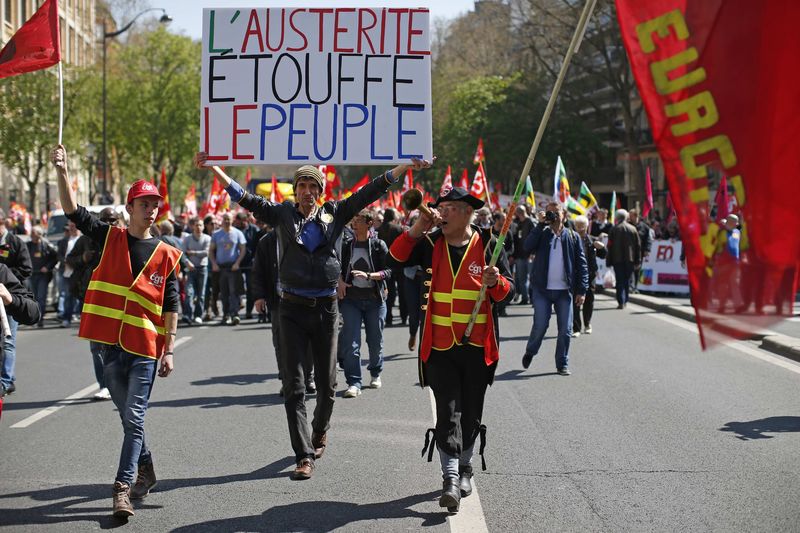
131	307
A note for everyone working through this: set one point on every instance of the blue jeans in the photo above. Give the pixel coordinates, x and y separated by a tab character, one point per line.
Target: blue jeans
543	302
195	301
521	271
97	349
69	300
129	379
10	351
373	314
39	282
623	274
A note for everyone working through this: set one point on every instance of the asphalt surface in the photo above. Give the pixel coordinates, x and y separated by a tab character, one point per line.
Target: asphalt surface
648	434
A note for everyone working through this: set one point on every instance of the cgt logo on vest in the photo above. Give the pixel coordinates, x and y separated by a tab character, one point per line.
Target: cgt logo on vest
475	269
156	279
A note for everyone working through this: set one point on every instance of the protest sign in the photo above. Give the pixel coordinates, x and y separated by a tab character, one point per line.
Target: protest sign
317	85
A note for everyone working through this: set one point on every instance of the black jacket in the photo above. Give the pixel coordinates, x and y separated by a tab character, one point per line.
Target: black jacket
14	254
321	268
592	254
23	307
519	231
43	255
265	270
378	254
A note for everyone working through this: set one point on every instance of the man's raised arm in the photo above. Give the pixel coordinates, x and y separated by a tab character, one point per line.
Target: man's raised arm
65	193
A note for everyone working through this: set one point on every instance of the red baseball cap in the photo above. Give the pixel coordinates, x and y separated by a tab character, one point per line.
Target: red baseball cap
142	188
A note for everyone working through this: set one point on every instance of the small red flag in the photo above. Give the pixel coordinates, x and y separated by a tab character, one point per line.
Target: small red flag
408	182
165	213
447	183
35	46
275	195
464	181
648	195
479	157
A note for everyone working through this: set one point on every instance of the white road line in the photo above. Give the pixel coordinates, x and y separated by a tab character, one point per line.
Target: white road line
83	393
740	346
470	516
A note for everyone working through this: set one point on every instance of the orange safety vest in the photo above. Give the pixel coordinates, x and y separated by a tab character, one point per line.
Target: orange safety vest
118	309
451	299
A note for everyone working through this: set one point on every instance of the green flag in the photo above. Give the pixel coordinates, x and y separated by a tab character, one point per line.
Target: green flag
574	208
613	210
585	197
528	192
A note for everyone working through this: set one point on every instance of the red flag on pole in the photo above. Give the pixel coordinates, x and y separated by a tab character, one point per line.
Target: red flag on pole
464	181
447	183
706	74
408	182
479	157
480	188
215	196
164	213
190	201
721	200
35	46
247	178
648	195
275	195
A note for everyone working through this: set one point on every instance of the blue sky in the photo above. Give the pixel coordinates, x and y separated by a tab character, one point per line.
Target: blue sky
187	14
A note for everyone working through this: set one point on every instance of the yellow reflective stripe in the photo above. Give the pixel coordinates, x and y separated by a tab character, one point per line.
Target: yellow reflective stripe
122	290
465	294
440	320
463	318
100	310
143	323
460	318
443	297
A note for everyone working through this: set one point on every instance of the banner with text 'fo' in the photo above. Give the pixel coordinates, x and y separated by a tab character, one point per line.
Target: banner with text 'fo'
317	85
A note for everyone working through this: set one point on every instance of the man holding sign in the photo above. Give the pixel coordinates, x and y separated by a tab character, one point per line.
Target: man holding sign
308	273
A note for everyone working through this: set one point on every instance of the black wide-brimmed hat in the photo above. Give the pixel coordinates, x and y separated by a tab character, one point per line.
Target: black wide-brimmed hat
457	194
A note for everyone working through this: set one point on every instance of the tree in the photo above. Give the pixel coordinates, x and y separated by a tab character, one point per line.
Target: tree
29	124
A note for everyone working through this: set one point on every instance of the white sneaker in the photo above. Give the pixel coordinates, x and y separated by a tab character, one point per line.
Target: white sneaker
102	395
587	330
375	383
197	320
351	392
576	334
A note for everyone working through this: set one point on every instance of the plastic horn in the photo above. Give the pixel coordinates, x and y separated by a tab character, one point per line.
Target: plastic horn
412	199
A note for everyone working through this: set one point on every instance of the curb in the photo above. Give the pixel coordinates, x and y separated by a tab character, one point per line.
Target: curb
776	343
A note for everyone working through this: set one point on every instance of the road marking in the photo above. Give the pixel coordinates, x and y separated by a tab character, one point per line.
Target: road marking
470	517
743	348
72	398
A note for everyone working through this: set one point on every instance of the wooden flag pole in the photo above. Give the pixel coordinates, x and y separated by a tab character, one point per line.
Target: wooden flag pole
573	46
60	104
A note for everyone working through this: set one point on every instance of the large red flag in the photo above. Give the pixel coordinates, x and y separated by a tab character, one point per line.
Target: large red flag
164	213
35	46
648	195
718	80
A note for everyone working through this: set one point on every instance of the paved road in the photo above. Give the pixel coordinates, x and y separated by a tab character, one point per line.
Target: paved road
647	434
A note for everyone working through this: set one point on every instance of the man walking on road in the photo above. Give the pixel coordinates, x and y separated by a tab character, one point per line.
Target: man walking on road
309	270
455	259
227	251
559	276
624	254
131	306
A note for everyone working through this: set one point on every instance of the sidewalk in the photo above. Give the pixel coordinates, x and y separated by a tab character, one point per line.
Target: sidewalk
783	339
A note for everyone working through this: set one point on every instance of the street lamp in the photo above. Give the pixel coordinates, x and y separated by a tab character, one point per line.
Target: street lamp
165	19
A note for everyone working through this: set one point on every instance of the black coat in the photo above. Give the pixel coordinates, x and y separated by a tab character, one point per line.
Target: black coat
14	254
265	270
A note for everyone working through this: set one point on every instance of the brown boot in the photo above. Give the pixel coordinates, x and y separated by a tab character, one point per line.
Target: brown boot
122	500
319	441
304	469
145	480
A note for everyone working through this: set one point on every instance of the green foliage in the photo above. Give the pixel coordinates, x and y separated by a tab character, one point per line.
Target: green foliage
29	125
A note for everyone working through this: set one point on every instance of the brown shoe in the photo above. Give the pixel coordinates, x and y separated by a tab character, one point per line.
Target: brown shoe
145	480
304	469
319	441
412	342
122	500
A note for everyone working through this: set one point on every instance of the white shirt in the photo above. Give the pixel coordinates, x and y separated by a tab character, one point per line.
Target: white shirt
70	245
556	277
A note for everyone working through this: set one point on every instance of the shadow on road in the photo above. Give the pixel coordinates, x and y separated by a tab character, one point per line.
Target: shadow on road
323	516
518	374
67	501
214	402
238	379
757	429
